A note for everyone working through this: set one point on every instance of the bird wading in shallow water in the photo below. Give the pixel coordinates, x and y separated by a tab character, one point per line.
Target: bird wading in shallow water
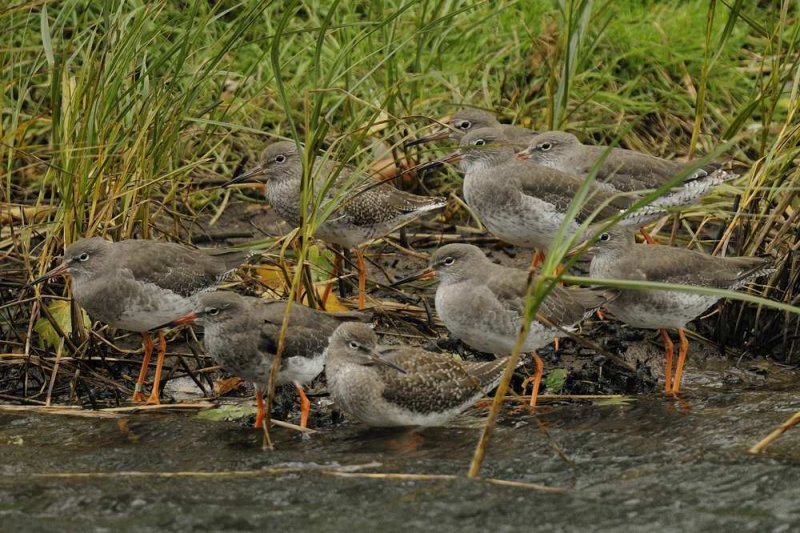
616	255
137	285
483	304
402	385
242	333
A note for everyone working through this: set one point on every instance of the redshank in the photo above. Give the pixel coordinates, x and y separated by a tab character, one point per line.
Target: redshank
365	211
624	170
617	256
402	385
482	303
137	285
241	334
525	204
471	119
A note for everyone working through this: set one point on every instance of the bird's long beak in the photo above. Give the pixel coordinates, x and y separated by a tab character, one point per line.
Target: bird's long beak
185	319
61	269
428	273
523	154
376	358
580	248
441	133
451	158
245	176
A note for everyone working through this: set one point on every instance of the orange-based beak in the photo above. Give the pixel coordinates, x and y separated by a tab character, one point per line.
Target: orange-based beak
245	176
60	270
428	273
523	154
185	319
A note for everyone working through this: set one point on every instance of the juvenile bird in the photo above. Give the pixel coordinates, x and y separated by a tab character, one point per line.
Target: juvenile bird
483	303
137	285
242	333
364	212
401	385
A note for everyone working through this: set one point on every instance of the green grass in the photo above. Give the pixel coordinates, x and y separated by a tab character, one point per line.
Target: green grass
117	114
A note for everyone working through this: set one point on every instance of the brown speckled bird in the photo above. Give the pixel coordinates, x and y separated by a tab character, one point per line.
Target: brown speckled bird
483	303
366	211
401	385
241	333
470	119
617	256
138	285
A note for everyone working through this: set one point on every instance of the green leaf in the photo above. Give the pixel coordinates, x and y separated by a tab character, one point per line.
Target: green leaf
226	413
555	379
60	311
47	43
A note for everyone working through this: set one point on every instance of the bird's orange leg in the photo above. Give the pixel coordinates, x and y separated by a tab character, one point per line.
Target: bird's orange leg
537	377
305	405
162	352
556	344
537	259
669	350
647	238
138	395
362	278
682	351
260	413
337	269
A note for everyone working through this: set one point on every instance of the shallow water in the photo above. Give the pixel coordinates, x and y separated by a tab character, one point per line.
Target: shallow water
651	464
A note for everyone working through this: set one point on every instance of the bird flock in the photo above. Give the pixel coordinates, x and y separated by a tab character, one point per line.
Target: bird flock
519	183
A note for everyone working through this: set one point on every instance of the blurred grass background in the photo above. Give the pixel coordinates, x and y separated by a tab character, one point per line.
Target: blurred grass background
114	114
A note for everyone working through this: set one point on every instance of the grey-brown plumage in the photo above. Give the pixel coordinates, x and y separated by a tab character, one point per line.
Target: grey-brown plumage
401	386
137	285
366	211
617	256
241	333
470	119
482	303
624	170
524	203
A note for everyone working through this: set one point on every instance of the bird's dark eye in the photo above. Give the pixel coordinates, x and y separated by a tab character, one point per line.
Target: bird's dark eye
213	311
83	257
280	158
544	147
479	142
448	261
464	124
354	345
604	237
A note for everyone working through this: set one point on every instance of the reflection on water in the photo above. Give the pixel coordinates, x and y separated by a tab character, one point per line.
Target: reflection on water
650	464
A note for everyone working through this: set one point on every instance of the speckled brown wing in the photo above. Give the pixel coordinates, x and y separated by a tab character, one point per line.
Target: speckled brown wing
432	382
487	373
559	188
172	266
371	204
688	267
